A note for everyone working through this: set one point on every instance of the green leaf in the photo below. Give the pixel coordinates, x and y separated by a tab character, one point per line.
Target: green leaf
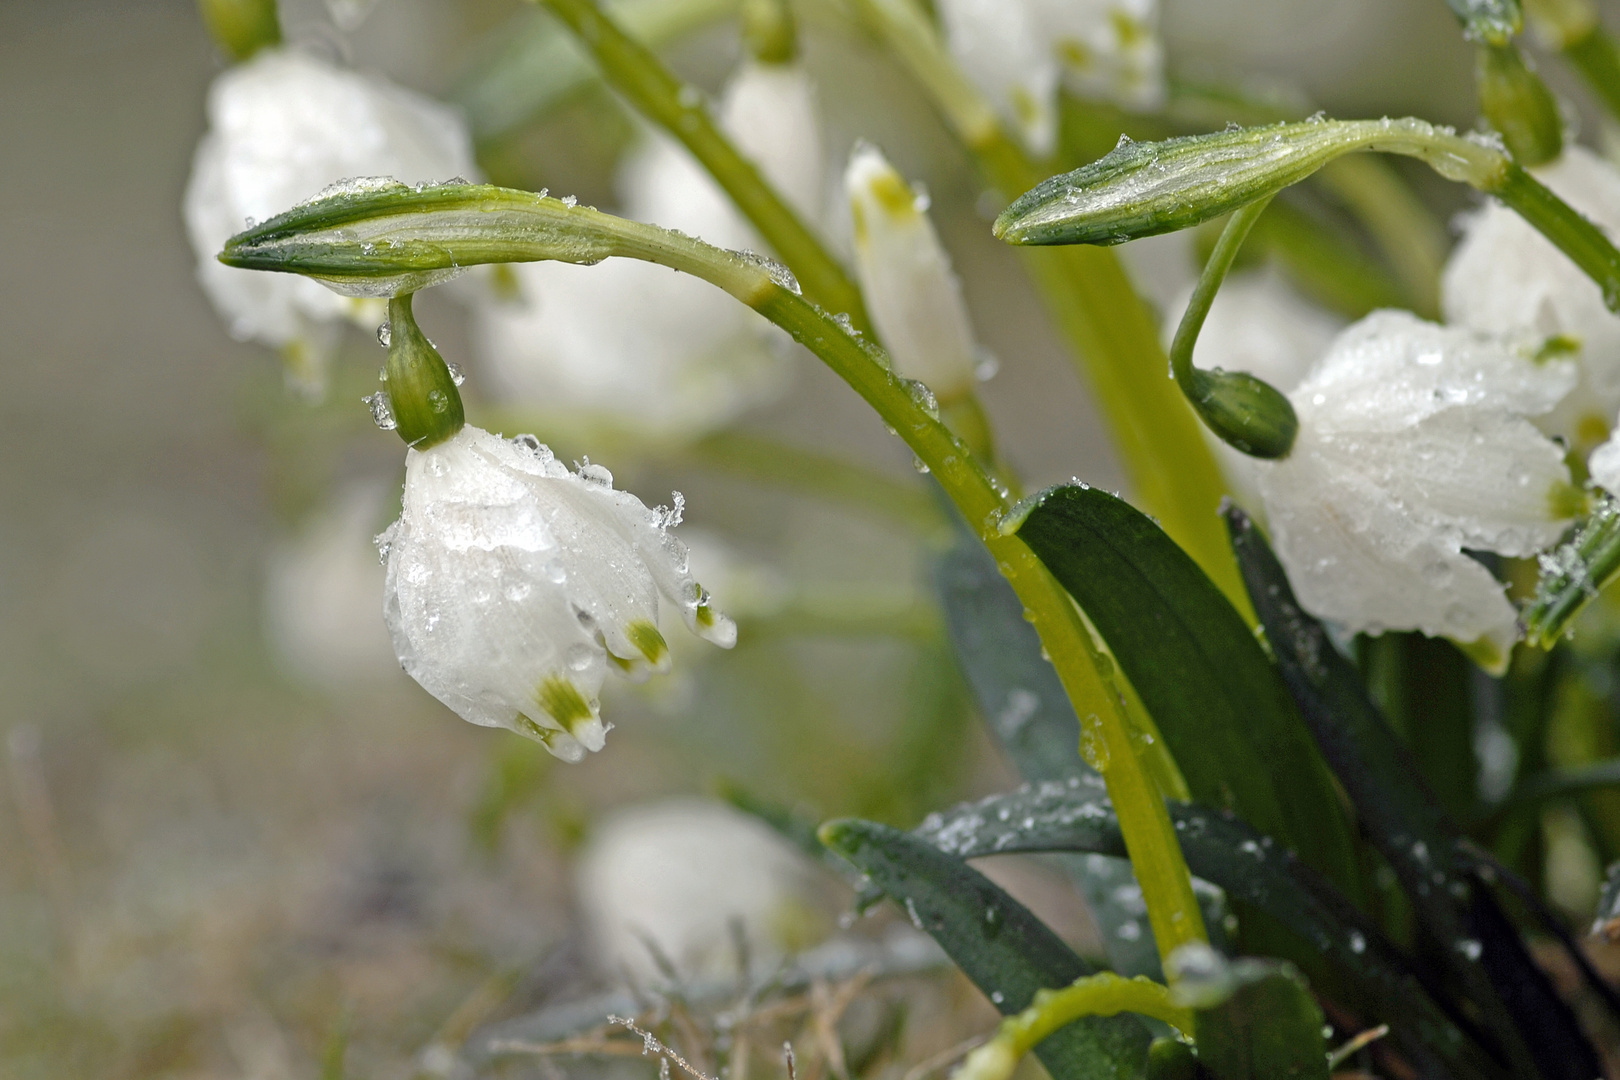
1076	816
1404	821
1028	712
1141	189
1260	1023
1007	952
1203	677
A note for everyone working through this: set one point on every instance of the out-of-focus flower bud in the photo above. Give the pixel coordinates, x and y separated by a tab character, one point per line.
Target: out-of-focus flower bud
514	585
282	127
1518	105
1000	47
1108	49
242	27
911	292
768	28
1414	445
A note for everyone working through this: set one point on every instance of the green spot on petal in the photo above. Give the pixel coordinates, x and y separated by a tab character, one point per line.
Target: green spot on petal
648	641
563	702
704	616
1565	500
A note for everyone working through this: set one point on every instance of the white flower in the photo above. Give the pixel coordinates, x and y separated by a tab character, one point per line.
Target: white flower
1506	278
1413	446
681	873
1108	48
1017	52
914	297
321	594
1001	48
513	585
282	127
630	344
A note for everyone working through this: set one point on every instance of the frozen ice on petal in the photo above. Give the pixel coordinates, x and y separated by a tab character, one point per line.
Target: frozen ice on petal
1506	278
282	128
1415	444
912	293
514	586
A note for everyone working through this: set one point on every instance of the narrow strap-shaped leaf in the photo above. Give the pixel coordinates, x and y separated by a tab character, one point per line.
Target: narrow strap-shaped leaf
1403	819
1025	708
1259	1021
1007	952
1075	816
1216	699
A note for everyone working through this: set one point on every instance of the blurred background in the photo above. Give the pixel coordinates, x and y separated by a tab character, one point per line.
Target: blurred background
233	835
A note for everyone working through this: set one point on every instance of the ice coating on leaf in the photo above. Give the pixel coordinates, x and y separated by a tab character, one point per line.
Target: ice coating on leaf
1506	278
912	293
283	127
1108	48
1414	444
514	585
1000	47
635	344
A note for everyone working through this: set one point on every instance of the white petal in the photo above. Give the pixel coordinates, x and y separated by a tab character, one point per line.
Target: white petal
913	295
998	44
1504	277
770	112
1261	325
1109	48
1604	465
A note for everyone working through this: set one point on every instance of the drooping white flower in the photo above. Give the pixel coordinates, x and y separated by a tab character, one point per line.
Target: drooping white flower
282	127
1413	446
1261	325
914	297
1000	46
630	344
681	874
1506	278
1109	49
514	585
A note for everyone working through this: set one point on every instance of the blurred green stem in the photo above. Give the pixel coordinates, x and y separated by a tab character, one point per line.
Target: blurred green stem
1107	326
1575	28
1404	229
680	109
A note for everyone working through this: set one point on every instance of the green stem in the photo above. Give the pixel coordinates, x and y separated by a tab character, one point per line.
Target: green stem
398	237
679	109
1109	330
1104	994
1209	283
1597	57
1574	234
1574	575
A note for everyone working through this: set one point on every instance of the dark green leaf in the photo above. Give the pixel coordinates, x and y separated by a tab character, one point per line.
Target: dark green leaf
1077	816
1265	1024
1217	700
1007	952
1027	710
1403	819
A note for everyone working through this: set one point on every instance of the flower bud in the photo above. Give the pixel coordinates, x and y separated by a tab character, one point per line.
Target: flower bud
1141	189
1248	413
422	393
1518	105
242	27
1493	22
911	293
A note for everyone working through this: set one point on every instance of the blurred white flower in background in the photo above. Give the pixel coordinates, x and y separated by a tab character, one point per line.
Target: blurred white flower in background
281	127
514	585
321	589
1506	278
1259	324
682	874
1018	51
640	346
1414	445
912	293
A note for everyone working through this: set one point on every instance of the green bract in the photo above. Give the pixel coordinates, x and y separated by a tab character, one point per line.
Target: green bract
1141	189
1246	412
1519	105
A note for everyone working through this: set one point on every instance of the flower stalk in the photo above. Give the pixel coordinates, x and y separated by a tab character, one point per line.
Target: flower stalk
422	394
399	234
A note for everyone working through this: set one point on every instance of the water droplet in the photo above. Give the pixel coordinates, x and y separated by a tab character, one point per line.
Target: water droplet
985	368
1092	745
556	574
1358	942
923	397
997	997
457	376
919	464
438	400
579	657
569	201
382	411
595	475
1470	948
384	335
518	591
